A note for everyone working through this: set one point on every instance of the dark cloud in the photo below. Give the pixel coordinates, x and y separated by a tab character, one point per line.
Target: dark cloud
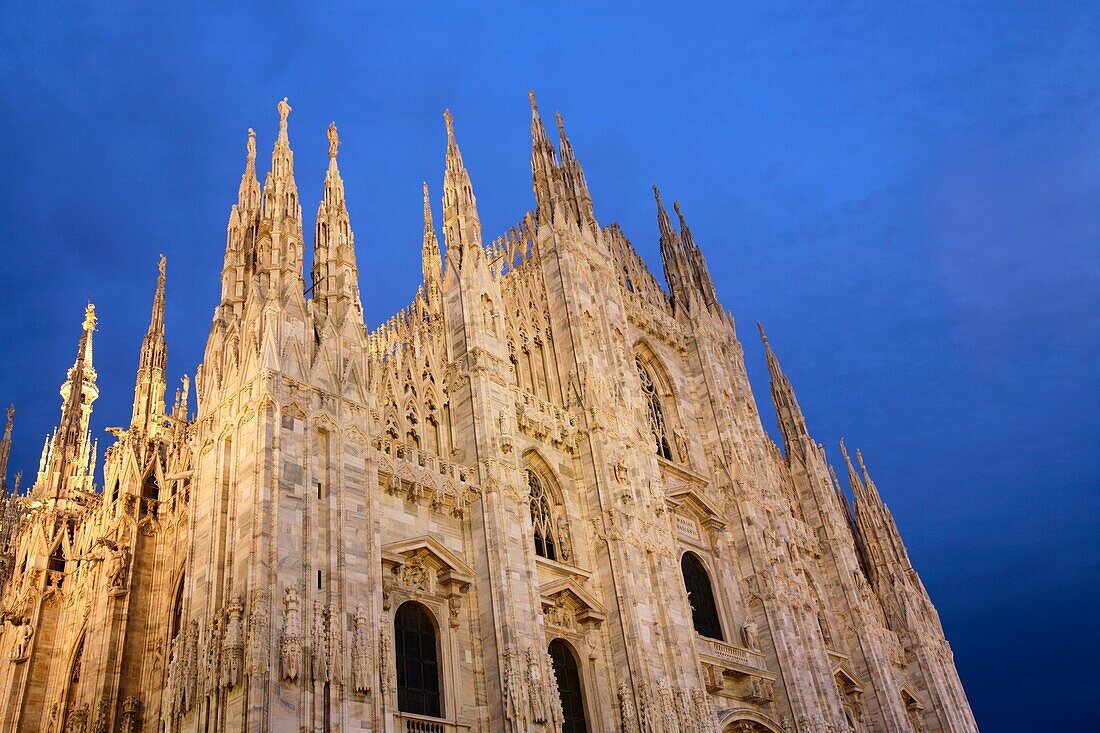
906	195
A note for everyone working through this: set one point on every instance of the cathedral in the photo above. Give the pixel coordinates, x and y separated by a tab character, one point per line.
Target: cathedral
538	498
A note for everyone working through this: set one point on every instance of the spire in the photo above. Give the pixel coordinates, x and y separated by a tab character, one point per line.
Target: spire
281	218
700	273
5	452
461	224
787	410
240	244
545	175
335	273
573	175
148	410
672	255
65	459
432	261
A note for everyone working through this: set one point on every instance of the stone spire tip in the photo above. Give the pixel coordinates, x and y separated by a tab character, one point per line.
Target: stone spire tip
333	141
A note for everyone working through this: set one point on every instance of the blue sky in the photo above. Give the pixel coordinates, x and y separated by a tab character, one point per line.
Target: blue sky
907	195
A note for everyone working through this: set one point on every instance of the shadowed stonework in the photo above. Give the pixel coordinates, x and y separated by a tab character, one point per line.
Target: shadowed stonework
538	498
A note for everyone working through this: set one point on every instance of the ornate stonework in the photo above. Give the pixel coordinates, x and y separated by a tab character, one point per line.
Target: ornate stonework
538	498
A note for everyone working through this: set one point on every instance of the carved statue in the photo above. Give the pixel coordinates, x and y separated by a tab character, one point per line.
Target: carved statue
23	642
557	716
291	657
118	566
823	624
749	635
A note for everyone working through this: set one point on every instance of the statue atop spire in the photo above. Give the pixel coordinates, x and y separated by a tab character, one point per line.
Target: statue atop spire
335	273
5	451
333	141
284	112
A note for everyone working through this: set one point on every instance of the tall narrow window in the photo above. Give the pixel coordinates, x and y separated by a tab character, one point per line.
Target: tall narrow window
657	424
704	612
417	661
569	687
542	519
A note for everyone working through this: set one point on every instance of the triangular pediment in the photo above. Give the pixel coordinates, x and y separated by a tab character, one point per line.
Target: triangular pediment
687	498
588	608
451	566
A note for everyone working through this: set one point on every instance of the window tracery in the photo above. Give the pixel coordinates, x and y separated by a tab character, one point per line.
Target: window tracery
542	520
657	425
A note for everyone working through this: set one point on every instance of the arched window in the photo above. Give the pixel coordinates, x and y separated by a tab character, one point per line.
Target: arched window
704	612
542	519
417	652
569	687
657	424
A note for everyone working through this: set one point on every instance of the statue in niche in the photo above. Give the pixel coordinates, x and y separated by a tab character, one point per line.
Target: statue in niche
22	642
749	635
118	565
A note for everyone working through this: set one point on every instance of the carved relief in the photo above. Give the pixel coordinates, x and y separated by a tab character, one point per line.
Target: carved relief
290	656
360	652
258	633
627	717
319	660
233	644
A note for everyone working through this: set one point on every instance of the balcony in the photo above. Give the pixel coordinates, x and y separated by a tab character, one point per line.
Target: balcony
734	658
410	723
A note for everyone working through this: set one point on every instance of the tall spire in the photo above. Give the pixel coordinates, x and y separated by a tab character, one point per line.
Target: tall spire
699	272
148	410
573	176
672	255
281	218
545	175
240	244
5	452
787	410
335	272
431	260
461	224
69	452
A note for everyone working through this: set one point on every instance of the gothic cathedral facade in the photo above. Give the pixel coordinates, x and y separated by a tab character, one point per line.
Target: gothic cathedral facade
539	498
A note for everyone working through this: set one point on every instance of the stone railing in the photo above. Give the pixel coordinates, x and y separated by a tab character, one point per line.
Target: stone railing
729	655
410	723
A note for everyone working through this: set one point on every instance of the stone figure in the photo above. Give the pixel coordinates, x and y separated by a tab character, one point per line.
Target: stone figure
749	636
118	566
22	641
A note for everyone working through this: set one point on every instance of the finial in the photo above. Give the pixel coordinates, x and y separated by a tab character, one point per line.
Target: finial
11	412
251	145
450	120
333	140
676	206
89	317
425	186
162	265
534	104
764	337
657	195
561	123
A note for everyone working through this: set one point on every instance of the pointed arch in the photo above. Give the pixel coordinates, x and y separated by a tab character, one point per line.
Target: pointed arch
546	500
661	404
